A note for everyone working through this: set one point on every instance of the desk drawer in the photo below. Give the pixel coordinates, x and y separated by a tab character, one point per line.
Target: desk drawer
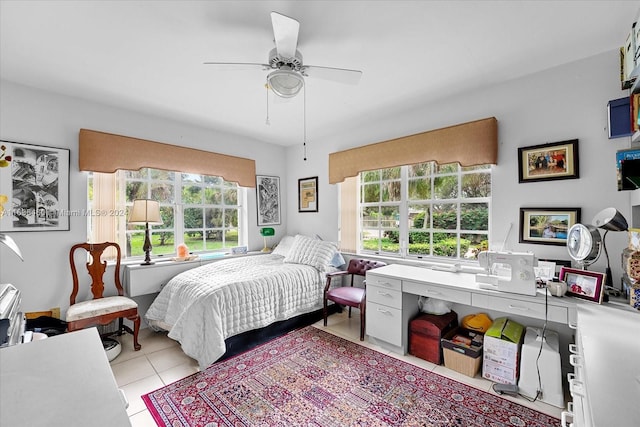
384	282
523	308
384	323
437	292
384	296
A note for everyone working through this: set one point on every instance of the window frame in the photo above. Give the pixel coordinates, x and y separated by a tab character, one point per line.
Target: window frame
404	204
122	230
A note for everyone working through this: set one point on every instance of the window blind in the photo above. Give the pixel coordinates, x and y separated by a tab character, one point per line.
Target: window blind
106	152
470	144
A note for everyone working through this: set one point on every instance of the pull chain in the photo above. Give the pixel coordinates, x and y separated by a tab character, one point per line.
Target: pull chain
266	86
304	121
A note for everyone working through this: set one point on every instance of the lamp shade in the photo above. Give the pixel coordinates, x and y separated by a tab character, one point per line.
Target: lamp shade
610	219
285	83
145	211
267	231
11	244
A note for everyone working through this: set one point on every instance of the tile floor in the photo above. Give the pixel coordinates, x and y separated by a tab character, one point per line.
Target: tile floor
161	362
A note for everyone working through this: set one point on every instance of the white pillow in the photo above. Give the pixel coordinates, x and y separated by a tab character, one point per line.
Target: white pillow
310	251
284	246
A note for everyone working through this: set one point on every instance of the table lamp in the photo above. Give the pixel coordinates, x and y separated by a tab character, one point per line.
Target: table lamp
264	232
145	211
609	219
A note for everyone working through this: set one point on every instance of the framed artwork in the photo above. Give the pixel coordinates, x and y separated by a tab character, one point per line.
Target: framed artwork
268	199
308	194
583	284
547	162
547	226
34	184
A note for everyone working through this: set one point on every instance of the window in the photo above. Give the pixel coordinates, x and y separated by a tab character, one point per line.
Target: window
425	210
203	212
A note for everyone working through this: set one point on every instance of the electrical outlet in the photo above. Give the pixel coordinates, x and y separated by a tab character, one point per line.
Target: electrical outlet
55	312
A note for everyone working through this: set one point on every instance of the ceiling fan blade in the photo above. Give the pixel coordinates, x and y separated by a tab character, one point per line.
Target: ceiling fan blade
340	75
238	65
285	32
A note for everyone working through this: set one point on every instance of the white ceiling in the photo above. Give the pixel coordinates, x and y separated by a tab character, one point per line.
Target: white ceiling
148	55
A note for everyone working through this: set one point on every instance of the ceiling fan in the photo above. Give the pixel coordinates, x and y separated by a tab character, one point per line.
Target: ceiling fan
287	77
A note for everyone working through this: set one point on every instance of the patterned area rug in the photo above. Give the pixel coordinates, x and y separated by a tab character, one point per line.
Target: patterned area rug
311	378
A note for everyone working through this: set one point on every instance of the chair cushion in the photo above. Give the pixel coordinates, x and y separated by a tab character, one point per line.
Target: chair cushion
99	307
346	295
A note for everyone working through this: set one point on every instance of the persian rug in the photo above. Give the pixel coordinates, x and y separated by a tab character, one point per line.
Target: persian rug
312	378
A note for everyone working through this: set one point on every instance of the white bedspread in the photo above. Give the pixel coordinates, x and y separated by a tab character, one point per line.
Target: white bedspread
204	306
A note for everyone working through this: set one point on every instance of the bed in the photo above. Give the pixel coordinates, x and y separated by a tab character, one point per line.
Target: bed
202	307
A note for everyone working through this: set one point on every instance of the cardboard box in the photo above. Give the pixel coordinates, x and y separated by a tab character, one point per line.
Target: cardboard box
462	351
502	344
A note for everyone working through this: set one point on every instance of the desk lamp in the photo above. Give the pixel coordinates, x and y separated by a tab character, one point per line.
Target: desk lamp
264	232
145	211
11	244
609	219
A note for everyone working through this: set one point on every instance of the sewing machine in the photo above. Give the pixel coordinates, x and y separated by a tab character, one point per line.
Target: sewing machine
507	272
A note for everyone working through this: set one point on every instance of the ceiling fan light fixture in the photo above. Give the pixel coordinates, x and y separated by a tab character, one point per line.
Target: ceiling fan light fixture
285	83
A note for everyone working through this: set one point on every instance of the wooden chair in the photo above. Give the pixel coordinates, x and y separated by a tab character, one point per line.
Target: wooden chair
349	295
101	310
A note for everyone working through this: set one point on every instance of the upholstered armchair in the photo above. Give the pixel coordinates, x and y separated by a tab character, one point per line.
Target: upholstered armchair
350	296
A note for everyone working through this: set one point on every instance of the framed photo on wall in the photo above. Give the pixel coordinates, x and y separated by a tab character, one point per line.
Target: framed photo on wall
308	194
547	226
34	187
547	162
268	199
583	284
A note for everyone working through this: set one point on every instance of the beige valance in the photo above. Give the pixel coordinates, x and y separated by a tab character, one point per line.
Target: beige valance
106	152
470	144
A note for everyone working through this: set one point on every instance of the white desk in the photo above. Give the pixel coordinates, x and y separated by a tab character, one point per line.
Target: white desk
607	367
64	380
392	300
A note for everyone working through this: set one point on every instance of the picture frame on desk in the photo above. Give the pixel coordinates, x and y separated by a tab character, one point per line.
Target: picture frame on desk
548	162
583	284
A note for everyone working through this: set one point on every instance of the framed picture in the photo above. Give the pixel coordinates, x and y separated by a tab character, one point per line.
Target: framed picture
583	284
547	162
34	184
547	226
268	199
308	194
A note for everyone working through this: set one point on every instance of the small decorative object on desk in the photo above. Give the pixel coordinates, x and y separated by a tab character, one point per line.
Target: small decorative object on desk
186	258
634	299
239	250
634	239
182	250
183	253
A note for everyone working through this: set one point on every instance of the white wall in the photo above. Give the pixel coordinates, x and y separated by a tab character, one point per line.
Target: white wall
32	116
563	103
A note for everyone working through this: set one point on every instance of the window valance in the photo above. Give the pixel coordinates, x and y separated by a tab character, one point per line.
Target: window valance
105	152
470	144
